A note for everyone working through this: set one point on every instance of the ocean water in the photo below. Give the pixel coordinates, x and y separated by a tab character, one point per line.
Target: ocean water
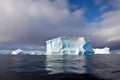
56	67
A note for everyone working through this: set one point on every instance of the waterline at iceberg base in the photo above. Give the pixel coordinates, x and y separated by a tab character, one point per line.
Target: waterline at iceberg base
67	45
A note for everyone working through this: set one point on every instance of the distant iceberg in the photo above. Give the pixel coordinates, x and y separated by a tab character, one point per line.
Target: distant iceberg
105	50
69	45
5	52
17	52
27	52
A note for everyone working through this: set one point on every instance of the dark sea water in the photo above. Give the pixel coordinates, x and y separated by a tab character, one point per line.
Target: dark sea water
41	67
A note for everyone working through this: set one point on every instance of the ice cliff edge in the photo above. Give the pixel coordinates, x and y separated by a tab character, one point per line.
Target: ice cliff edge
69	45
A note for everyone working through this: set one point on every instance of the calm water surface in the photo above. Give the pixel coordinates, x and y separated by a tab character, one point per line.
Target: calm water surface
31	67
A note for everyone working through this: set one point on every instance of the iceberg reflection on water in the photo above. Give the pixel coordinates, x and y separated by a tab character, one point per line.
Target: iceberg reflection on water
65	64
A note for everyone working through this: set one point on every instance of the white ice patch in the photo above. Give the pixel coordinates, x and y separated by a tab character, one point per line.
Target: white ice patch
16	52
105	50
27	52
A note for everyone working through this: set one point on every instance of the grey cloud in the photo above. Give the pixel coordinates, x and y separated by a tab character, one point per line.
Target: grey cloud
28	20
35	21
115	3
109	32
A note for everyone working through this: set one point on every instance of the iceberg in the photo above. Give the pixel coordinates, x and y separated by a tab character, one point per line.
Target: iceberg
34	52
17	52
27	52
69	45
5	52
105	50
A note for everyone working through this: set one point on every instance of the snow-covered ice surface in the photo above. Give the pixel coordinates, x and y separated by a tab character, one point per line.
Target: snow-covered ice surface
22	52
27	52
5	52
17	52
35	52
105	50
69	45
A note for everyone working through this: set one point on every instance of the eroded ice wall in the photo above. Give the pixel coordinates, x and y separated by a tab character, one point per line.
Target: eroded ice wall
69	45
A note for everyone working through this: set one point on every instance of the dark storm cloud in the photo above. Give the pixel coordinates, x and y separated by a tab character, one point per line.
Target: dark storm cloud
38	21
34	22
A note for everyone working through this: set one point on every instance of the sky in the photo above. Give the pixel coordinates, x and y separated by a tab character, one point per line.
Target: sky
29	23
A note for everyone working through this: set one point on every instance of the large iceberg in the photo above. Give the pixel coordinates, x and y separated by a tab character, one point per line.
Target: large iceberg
69	45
